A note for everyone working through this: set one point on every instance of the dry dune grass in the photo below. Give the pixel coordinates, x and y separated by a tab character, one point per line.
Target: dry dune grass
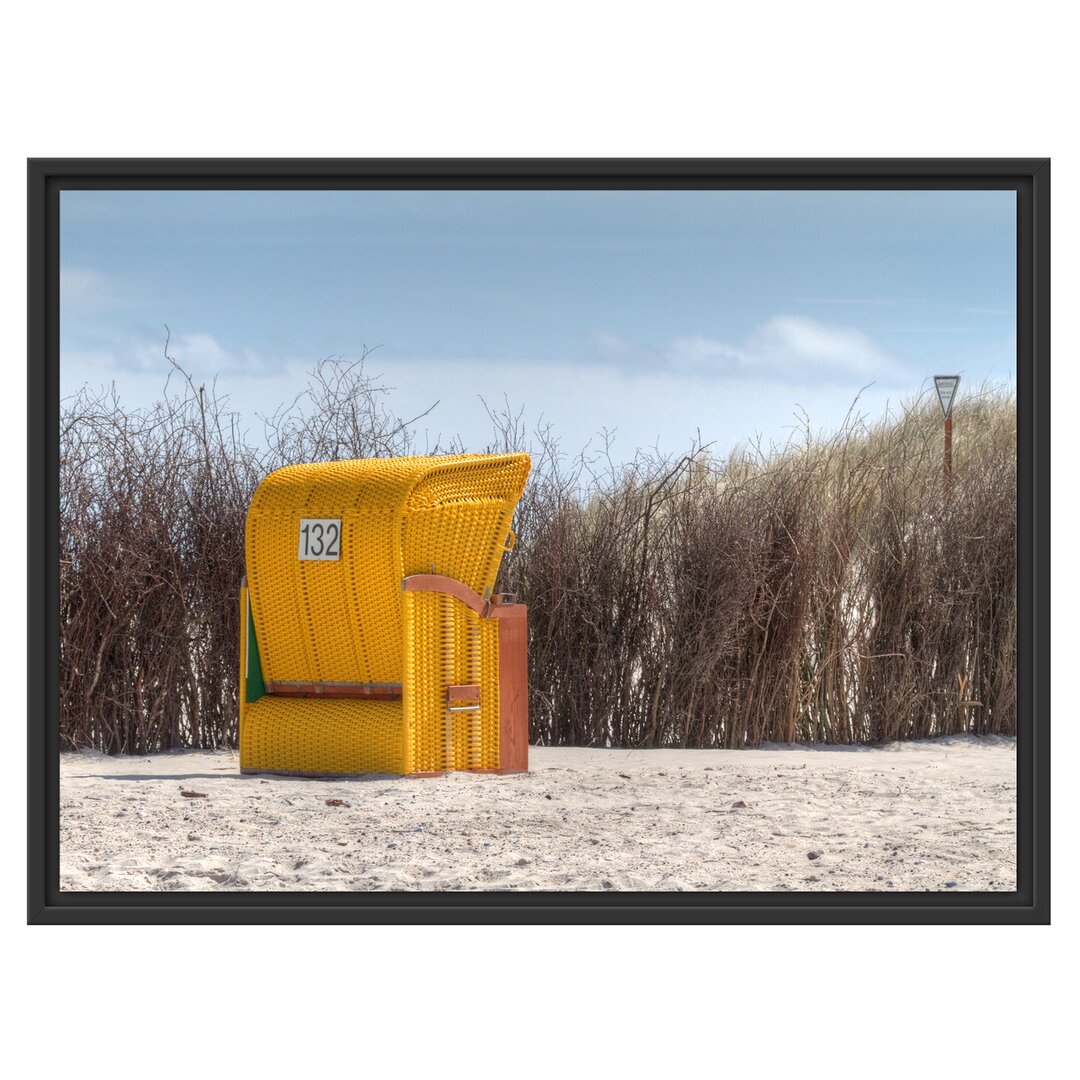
831	590
834	590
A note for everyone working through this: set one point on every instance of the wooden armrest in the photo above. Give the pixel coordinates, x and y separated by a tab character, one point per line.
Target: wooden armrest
439	583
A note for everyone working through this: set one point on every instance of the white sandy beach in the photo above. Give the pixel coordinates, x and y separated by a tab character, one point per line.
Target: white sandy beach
931	815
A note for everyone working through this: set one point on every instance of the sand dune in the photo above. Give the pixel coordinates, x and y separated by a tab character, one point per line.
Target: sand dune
919	816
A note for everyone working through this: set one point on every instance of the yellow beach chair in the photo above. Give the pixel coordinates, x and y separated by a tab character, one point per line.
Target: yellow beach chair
370	638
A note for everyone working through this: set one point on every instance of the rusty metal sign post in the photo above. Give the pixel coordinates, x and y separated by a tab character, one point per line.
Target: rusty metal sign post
946	386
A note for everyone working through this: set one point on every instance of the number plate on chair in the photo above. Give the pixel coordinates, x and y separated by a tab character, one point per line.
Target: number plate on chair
320	538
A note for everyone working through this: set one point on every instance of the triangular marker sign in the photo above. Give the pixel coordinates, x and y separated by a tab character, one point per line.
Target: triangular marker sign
946	390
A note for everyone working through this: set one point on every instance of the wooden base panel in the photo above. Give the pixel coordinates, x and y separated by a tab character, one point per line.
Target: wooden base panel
513	686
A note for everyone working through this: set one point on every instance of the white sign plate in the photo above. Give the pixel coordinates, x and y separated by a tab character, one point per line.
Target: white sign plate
946	391
320	539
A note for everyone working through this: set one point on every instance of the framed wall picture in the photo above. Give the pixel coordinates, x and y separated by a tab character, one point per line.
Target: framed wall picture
539	540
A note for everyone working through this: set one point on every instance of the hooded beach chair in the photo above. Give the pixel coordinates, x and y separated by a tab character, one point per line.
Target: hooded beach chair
370	638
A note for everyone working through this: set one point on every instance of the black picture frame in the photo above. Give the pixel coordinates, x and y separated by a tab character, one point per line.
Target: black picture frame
1028	177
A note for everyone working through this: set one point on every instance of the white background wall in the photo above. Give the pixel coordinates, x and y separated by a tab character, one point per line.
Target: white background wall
558	79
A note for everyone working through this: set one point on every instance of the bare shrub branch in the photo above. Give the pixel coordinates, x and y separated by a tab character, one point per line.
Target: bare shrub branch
828	590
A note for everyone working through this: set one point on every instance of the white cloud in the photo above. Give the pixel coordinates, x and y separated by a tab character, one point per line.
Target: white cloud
643	407
84	288
199	353
793	342
85	292
729	393
706	355
788	347
203	353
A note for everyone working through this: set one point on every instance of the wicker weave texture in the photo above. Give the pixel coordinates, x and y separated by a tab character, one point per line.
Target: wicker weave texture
316	736
341	621
348	620
446	644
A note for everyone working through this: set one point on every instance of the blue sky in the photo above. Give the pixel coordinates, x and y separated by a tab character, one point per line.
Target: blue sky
655	314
